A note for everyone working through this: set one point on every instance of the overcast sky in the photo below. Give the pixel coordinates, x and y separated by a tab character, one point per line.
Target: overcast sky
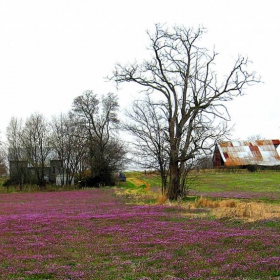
53	50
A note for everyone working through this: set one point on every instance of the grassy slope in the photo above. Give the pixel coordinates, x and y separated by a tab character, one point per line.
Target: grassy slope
268	181
251	181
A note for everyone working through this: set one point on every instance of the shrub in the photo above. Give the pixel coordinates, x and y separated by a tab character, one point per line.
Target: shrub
97	181
7	183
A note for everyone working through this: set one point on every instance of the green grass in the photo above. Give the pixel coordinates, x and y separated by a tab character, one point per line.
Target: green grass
267	181
152	178
211	181
126	185
272	223
261	186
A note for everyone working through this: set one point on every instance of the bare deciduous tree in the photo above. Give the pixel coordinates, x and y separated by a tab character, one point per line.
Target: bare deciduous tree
16	153
36	143
3	156
181	75
147	124
99	119
70	146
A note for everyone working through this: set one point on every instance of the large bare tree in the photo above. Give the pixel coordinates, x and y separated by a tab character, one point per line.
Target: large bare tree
181	76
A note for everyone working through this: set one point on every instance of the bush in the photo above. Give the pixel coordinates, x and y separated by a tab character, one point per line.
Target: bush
97	181
7	183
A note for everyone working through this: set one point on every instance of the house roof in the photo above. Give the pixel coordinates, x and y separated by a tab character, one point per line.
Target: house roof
260	152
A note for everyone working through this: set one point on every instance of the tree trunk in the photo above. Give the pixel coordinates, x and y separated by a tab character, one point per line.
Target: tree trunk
163	184
21	182
174	184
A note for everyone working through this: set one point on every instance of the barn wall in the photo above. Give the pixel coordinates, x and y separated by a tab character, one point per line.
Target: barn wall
217	159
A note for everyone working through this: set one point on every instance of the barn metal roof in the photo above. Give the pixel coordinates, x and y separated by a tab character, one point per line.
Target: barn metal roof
260	152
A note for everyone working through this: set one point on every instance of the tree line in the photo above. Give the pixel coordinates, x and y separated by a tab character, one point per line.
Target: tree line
180	112
84	139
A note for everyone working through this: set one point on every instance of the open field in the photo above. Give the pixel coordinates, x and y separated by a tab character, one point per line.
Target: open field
263	185
238	195
94	234
260	185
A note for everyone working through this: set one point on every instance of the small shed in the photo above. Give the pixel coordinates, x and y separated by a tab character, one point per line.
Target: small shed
246	153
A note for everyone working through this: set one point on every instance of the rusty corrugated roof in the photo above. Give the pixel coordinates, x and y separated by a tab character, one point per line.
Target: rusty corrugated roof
260	152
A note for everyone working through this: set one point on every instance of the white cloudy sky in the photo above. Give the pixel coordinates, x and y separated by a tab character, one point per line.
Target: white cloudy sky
53	50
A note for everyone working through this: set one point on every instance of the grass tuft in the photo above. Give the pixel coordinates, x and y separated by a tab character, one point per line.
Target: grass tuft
162	199
203	202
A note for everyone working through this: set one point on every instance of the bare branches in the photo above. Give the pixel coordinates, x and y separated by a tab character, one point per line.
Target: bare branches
83	139
147	124
192	99
100	120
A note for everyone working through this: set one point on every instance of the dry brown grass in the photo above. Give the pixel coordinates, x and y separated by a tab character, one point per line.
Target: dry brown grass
162	199
206	203
229	208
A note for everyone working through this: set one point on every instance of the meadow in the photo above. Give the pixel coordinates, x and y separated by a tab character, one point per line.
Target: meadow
129	233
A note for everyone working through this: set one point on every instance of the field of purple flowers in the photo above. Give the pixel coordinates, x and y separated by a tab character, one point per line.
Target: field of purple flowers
92	234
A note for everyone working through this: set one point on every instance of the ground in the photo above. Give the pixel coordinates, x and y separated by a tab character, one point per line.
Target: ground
95	234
